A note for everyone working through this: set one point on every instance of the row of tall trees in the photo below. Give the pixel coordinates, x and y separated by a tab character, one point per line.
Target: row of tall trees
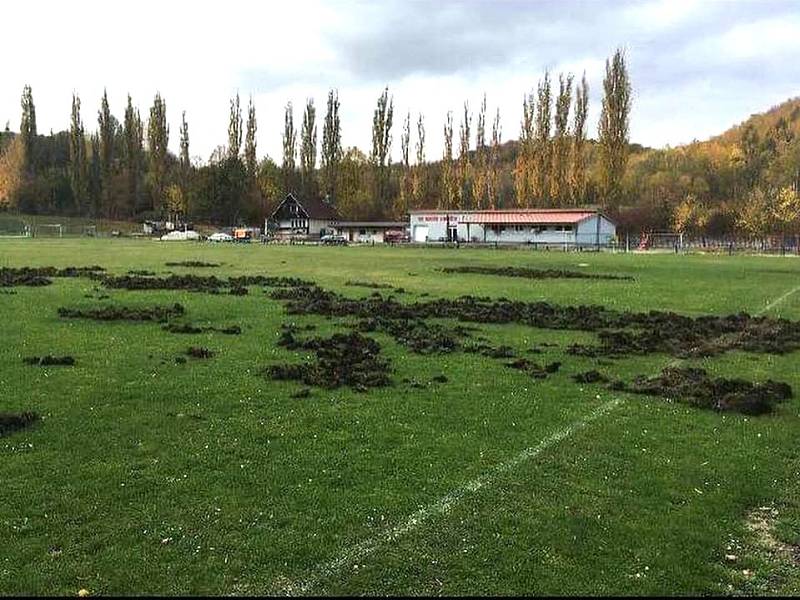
744	181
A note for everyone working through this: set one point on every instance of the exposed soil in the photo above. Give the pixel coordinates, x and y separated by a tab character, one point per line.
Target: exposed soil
192	263
41	276
188	328
620	333
11	422
199	352
697	388
142	273
124	313
533	369
349	359
528	273
49	361
199	283
483	348
590	377
370	284
418	335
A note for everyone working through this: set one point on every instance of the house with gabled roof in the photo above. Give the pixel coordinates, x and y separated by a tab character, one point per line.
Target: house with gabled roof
309	217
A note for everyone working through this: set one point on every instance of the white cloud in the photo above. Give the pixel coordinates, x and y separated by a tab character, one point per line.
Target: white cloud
697	67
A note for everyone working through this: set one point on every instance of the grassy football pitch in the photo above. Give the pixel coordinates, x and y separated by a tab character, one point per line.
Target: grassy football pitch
153	472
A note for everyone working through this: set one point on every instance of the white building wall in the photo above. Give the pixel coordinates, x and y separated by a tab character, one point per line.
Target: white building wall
353	234
588	233
433	227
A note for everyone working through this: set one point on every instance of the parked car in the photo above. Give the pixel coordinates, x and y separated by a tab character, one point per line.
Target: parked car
333	240
396	236
220	236
180	236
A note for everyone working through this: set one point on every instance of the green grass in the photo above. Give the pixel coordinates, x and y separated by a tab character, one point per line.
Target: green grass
256	491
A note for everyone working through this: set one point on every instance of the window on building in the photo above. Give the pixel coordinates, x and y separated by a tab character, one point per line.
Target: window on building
362	232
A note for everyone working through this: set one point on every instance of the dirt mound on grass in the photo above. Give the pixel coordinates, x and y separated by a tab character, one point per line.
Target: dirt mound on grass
369	284
697	388
199	283
124	313
40	276
484	348
192	263
349	359
528	273
11	422
533	369
199	352
590	377
619	333
48	361
420	336
188	328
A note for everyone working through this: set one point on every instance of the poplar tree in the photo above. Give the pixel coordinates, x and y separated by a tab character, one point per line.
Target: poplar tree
157	141
250	157
559	183
184	160
406	190
418	184
464	174
133	133
106	129
577	177
542	143
331	147
447	199
494	164
27	130
308	149
614	129
235	129
77	157
381	148
480	177
524	169
289	149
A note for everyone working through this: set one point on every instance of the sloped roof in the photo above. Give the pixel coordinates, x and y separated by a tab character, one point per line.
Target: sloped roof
377	224
315	208
528	217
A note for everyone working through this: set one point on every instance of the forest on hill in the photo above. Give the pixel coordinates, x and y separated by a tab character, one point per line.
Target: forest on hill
744	182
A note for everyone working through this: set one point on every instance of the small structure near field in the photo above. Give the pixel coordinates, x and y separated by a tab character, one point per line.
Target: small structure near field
309	218
368	232
571	227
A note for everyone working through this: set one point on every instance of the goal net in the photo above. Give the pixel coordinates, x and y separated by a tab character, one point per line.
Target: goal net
49	230
660	240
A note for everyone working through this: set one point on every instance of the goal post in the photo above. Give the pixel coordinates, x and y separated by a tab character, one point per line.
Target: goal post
49	230
661	240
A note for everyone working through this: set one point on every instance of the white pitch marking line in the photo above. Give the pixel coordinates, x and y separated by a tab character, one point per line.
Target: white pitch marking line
445	503
778	300
442	506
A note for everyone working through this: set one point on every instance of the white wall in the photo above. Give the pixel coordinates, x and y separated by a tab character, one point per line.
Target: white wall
435	225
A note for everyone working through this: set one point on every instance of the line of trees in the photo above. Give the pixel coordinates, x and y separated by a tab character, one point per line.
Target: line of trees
745	182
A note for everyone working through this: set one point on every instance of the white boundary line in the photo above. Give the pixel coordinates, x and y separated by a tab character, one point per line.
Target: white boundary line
778	300
440	507
444	504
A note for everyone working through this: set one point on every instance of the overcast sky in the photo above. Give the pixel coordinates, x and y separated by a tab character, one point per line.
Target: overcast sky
697	66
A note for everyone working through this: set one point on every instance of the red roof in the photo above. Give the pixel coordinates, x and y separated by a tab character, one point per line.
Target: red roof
527	217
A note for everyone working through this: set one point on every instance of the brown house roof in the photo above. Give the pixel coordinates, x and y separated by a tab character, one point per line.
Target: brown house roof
315	208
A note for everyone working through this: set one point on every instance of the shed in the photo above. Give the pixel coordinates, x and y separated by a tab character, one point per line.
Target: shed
369	231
